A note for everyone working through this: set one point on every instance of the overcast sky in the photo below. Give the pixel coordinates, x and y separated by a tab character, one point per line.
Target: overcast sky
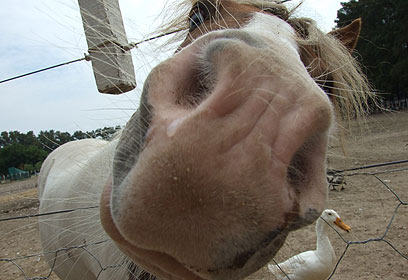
41	33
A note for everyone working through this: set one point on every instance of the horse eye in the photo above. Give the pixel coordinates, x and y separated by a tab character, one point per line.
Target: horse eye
199	14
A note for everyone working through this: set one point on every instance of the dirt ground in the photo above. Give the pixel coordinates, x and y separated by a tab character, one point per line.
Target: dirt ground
365	204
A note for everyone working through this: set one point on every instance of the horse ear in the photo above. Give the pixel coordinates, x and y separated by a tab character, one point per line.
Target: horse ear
349	34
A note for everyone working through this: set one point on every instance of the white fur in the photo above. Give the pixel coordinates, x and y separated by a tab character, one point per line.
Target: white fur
73	177
272	27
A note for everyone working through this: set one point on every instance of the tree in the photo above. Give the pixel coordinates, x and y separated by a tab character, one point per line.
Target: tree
63	137
47	140
27	151
11	156
4	139
383	44
78	135
20	156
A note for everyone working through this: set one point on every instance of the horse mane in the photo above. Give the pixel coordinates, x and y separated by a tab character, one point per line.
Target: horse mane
327	60
341	75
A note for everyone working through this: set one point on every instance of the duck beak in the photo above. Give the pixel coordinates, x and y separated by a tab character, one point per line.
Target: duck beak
338	222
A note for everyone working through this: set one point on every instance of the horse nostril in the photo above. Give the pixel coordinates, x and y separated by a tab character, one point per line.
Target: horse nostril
301	170
306	175
205	85
199	87
297	169
206	67
203	73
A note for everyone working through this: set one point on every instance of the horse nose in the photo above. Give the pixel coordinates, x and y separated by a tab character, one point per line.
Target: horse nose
251	86
224	175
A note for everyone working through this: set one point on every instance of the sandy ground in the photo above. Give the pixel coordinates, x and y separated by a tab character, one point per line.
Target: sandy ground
365	204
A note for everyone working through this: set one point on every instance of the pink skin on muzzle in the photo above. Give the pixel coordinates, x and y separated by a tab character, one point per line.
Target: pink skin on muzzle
221	181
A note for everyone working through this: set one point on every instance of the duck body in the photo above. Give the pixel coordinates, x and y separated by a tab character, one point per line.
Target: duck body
312	265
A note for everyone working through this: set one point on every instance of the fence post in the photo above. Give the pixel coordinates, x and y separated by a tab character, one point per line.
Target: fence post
106	38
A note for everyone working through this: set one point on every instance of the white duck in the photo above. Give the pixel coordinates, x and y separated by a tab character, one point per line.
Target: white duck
317	264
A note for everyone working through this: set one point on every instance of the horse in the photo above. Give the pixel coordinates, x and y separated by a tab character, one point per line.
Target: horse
225	155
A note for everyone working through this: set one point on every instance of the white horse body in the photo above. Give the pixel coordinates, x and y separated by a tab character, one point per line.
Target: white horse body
72	177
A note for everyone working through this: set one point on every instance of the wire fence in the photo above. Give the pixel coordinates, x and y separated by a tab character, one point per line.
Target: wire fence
399	202
339	178
346	177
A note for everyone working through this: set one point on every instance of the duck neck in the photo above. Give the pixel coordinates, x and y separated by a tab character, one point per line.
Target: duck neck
323	243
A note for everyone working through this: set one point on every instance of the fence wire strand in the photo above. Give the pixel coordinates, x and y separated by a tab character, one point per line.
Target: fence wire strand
344	173
87	57
47	213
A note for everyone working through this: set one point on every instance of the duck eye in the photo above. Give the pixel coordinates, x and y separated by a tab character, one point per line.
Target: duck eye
198	15
330	214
